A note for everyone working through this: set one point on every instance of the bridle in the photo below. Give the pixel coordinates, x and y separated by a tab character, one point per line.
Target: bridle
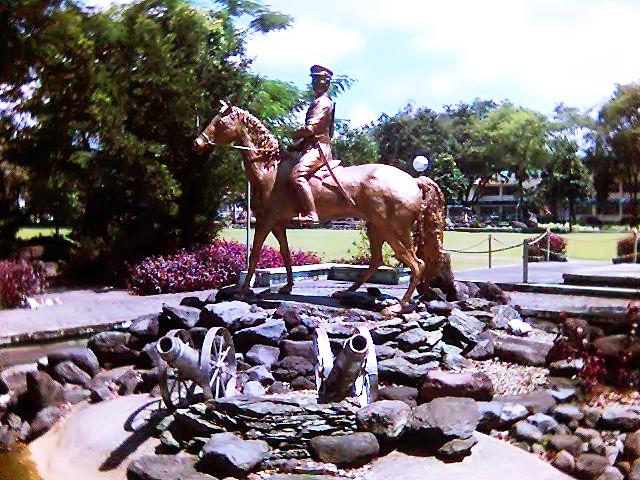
210	142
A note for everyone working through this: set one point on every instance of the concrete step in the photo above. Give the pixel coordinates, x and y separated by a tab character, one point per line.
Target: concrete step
583	290
627	281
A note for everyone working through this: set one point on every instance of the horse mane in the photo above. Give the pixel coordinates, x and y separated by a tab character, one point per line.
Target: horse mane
261	138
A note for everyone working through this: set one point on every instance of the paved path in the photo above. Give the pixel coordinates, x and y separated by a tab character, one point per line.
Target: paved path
542	272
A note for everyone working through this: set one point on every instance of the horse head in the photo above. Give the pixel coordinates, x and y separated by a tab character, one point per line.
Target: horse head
222	129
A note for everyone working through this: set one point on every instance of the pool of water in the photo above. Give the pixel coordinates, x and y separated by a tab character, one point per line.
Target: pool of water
17	466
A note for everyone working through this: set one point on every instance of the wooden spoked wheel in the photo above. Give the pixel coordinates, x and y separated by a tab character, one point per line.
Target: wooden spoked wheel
218	358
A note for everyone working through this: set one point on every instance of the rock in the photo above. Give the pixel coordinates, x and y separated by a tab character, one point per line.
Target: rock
440	307
290	313
291	367
439	383
612	346
566	367
112	348
100	393
461	290
494	293
616	417
590	466
346	450
299	333
611	473
193	301
83	357
564	461
592	416
538	401
502	315
518	327
500	416
399	370
165	467
383	352
407	395
484	349
543	422
226	454
278	387
263	355
526	432
563	394
634	473
20	427
587	434
632	445
180	316
42	391
385	418
261	374
444	419
269	333
74	394
567	412
146	326
8	439
416	337
421	358
149	356
45	419
69	372
521	350
253	389
357	300
128	382
463	327
431	322
455	450
302	383
298	348
569	443
225	314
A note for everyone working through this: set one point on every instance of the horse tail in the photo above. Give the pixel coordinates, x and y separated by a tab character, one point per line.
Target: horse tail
431	223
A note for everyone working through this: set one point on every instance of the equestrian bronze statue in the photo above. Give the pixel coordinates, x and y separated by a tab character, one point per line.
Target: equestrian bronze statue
390	201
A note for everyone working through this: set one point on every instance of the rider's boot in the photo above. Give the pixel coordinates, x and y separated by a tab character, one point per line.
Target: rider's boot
306	200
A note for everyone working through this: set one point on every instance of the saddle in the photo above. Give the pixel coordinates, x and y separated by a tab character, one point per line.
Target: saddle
324	176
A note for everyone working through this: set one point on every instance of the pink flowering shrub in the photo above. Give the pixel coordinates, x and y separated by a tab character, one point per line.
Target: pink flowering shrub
212	266
557	244
18	280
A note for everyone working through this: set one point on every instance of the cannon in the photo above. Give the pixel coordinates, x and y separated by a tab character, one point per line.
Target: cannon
352	373
190	370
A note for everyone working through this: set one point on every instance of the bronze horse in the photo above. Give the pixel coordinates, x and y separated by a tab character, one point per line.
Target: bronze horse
391	201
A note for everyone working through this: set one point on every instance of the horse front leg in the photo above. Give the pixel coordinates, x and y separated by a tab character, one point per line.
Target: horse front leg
281	235
258	240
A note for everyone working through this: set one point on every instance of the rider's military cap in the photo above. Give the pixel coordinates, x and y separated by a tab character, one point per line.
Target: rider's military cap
320	71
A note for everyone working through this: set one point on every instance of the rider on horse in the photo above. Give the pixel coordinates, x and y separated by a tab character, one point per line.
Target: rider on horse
314	141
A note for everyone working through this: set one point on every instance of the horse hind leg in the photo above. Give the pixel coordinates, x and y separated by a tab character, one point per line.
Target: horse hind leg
375	246
281	235
403	248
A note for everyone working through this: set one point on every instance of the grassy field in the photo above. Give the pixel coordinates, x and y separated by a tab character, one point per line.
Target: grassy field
335	244
30	232
332	244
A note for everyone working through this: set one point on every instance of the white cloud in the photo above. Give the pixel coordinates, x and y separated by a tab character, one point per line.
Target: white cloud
359	114
305	43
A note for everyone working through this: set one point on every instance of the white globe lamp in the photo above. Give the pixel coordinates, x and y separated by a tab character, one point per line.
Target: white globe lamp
420	163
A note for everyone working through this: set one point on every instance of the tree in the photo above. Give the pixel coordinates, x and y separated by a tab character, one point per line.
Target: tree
566	178
115	110
444	170
619	121
354	146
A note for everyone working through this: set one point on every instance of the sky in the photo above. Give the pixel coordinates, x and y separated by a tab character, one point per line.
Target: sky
535	53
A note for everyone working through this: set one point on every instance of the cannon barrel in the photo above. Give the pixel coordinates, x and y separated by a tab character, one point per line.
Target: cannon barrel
347	367
182	357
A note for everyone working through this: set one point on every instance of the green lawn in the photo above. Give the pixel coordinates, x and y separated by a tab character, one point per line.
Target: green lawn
332	244
30	232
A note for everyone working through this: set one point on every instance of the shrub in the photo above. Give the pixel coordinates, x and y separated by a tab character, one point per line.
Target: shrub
557	245
212	266
18	280
361	253
625	249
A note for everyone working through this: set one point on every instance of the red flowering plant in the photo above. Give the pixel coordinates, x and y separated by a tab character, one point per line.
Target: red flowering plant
18	280
212	266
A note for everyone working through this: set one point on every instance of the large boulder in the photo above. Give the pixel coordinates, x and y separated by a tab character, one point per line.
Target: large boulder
439	383
165	467
346	450
385	418
113	348
292	367
45	419
146	326
42	391
463	327
617	417
180	316
522	351
299	348
408	395
417	337
69	372
225	314
444	419
494	293
83	357
401	371
269	333
226	454
262	355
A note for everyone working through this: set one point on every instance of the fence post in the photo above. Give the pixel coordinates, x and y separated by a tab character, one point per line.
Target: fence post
548	244
635	245
490	252
525	261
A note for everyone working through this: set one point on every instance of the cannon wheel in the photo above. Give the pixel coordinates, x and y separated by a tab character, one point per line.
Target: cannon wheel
218	359
324	357
176	391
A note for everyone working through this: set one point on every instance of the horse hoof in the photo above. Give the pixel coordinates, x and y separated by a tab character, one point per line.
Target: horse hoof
392	310
286	289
